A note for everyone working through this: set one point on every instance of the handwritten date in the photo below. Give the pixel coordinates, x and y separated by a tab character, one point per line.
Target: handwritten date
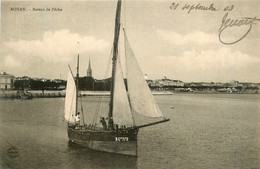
189	7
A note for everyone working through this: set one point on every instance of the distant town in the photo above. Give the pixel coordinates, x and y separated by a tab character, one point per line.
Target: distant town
9	82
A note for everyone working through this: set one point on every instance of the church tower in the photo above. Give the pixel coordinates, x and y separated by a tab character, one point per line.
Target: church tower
89	71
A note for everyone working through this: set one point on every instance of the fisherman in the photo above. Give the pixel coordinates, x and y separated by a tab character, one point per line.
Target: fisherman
77	118
104	124
111	123
116	128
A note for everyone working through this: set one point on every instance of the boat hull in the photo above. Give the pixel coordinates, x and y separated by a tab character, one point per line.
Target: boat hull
120	142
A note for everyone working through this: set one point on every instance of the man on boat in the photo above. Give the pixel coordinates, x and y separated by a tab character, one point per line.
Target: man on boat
110	123
77	118
103	122
116	127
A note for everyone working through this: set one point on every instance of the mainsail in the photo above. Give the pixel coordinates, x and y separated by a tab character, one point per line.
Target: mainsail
141	98
70	99
121	109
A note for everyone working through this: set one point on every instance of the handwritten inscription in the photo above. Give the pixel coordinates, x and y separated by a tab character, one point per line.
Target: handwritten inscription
190	7
228	23
199	7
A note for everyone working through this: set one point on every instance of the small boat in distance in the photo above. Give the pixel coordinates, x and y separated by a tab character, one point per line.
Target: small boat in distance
127	104
24	94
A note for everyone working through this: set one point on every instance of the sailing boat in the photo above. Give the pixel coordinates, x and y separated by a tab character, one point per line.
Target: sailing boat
125	106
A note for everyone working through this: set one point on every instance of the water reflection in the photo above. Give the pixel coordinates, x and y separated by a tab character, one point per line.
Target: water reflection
81	157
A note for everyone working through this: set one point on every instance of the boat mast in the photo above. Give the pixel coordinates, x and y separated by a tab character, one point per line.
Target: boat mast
77	86
114	59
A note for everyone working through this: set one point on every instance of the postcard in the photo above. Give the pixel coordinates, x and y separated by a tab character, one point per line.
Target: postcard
130	84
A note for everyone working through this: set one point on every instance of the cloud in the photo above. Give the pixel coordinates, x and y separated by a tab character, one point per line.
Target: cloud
55	47
196	37
12	62
208	65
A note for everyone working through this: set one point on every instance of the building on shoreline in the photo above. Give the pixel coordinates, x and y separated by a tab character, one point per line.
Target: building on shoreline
6	81
165	84
88	83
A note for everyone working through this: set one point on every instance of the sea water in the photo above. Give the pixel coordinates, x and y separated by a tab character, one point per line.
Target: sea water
204	131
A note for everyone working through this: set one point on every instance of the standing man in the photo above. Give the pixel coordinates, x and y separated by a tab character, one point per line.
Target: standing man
104	124
77	118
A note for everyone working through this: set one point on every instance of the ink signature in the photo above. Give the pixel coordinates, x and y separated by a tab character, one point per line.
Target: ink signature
236	23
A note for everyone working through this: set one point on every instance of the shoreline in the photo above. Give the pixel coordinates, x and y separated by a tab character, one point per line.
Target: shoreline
54	94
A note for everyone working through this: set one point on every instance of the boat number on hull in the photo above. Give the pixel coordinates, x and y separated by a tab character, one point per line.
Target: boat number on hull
121	138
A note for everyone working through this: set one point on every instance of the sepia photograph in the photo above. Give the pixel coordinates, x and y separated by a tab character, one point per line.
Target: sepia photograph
130	84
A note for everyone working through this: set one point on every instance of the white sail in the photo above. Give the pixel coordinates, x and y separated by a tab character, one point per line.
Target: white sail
70	99
121	109
141	98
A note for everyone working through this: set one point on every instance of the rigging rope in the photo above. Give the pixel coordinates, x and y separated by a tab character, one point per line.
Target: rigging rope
100	101
82	109
125	12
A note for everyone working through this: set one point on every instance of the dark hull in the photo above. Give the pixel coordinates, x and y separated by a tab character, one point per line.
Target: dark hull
120	142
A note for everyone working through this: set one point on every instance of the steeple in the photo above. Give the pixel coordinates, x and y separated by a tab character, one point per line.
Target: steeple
89	71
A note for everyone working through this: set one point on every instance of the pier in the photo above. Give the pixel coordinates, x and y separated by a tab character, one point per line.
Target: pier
31	94
13	94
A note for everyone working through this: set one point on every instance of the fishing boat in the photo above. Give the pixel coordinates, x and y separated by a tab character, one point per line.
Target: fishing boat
127	105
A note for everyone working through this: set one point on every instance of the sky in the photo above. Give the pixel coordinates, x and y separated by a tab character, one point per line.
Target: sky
167	42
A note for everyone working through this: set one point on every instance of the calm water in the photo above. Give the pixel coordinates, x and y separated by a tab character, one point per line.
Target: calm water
205	131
